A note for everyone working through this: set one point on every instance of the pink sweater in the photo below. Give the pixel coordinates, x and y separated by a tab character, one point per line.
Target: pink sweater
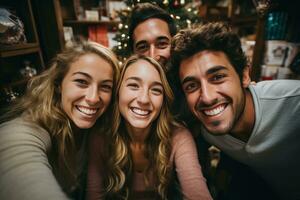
183	156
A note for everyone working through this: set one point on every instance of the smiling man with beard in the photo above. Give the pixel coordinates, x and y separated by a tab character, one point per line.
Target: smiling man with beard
257	125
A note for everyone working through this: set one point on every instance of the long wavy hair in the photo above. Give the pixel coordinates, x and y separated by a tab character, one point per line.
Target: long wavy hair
158	144
41	105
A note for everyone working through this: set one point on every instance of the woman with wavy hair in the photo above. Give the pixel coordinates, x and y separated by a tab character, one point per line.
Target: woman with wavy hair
137	159
43	135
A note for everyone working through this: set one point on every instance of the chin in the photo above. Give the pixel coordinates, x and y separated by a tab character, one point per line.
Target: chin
85	125
217	130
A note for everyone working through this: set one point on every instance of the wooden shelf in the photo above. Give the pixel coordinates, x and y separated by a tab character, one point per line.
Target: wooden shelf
17	46
19	50
88	22
244	21
21	82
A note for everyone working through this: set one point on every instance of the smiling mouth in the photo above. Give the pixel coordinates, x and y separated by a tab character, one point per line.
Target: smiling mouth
87	111
140	112
214	111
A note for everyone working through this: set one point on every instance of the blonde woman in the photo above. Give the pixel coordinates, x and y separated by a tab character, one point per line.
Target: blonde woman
146	146
43	136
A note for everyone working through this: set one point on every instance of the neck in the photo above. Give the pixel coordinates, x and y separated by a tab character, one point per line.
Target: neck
245	123
78	135
137	135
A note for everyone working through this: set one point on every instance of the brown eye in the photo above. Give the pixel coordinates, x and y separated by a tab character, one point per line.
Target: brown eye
81	82
190	87
218	77
157	90
142	47
162	45
133	86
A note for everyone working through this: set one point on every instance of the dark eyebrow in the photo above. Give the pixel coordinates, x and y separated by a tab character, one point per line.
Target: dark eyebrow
140	42
163	38
215	69
145	41
210	71
82	73
187	79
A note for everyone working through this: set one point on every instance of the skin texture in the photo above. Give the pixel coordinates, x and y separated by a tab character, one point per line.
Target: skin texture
86	90
140	97
215	94
155	42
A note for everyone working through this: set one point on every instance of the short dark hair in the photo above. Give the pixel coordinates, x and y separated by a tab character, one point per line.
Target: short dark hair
214	36
144	11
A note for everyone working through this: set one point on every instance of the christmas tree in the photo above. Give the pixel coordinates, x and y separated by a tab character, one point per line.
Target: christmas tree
182	11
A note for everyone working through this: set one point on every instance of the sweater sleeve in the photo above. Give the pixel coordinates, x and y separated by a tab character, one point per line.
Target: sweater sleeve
188	169
24	167
95	187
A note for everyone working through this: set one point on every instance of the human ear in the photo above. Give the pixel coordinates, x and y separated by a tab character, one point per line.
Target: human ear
246	77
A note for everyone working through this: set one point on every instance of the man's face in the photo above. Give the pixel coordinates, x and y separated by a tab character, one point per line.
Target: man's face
152	38
213	90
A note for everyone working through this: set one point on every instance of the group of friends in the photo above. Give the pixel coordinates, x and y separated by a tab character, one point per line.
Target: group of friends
88	128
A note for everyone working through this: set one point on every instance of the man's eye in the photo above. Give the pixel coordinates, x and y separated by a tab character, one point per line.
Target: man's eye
162	44
190	87
142	48
218	77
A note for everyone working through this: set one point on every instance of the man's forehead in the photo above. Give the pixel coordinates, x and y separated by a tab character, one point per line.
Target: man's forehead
151	29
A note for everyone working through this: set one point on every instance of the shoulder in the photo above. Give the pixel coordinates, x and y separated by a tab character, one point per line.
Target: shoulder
21	132
276	89
181	135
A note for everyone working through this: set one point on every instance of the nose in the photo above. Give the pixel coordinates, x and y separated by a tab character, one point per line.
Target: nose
143	97
152	51
207	94
92	95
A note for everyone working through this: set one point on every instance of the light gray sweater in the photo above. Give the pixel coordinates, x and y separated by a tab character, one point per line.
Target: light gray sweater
25	171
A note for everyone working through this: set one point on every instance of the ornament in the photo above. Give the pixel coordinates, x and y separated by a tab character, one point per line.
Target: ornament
166	2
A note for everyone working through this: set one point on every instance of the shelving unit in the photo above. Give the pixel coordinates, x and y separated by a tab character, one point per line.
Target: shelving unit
12	56
293	31
53	15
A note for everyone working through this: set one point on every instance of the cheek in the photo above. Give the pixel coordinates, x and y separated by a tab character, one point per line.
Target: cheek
191	100
166	52
67	97
158	102
106	97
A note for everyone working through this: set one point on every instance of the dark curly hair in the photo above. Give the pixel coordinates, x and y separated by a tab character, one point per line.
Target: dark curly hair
214	36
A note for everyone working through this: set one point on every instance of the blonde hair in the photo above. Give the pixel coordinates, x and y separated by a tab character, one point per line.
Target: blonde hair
42	105
158	144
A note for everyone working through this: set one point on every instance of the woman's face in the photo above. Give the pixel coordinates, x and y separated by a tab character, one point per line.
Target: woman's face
86	89
141	95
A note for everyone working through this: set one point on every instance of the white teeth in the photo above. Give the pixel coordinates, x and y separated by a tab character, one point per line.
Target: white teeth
87	111
215	111
140	111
